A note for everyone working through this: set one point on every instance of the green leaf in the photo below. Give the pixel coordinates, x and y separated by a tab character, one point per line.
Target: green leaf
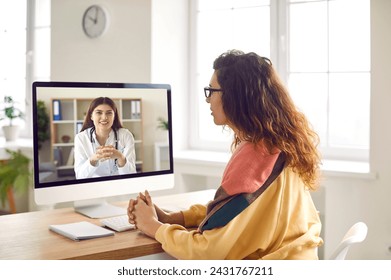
21	182
14	173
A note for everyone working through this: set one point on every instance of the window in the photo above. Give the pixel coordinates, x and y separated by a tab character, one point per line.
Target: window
13	20
322	54
222	25
24	52
329	72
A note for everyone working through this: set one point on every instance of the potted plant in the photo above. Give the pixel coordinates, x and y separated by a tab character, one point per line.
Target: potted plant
43	123
162	123
10	112
15	175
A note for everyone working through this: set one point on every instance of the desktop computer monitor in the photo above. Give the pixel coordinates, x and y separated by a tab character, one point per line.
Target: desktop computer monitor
144	110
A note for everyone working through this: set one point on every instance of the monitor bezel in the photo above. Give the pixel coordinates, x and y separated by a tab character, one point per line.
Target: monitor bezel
142	179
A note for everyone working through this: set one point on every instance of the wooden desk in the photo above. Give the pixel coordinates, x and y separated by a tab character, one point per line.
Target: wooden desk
27	235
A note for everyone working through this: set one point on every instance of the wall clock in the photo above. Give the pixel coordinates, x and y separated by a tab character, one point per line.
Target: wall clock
94	21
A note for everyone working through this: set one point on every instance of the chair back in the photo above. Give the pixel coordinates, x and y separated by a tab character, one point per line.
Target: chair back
356	234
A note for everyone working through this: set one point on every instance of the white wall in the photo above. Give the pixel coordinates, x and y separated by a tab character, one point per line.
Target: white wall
122	54
170	58
147	42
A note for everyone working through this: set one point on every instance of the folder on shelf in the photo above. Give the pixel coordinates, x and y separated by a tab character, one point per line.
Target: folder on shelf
79	126
135	111
71	157
81	230
57	110
138	109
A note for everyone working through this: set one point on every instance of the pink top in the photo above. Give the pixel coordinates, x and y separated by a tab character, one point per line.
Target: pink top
241	175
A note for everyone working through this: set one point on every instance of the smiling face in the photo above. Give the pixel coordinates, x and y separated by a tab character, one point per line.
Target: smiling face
103	117
216	104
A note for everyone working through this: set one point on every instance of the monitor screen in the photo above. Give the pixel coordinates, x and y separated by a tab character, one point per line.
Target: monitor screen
102	140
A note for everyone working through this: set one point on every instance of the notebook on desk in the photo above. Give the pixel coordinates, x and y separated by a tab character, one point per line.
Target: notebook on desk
81	230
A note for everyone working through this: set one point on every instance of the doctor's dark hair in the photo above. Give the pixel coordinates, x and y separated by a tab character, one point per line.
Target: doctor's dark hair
95	103
258	105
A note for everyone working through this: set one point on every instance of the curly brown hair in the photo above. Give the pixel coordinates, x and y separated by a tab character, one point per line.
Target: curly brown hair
259	106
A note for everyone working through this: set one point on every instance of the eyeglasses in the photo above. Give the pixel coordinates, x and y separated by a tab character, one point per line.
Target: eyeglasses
208	91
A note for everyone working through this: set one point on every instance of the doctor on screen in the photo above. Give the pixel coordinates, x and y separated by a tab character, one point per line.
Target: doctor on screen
103	147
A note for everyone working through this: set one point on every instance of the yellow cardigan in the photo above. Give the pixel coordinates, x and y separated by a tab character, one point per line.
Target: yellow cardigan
282	223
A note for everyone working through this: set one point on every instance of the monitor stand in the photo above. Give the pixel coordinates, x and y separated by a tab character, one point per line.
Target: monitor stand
98	209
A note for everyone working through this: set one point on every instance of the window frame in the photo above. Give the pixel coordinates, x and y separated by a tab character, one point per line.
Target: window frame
279	54
31	62
328	153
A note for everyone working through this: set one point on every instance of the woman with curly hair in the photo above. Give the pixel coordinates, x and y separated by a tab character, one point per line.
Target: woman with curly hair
263	207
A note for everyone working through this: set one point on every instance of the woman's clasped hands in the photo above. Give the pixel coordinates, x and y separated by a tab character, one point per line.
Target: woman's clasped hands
148	217
143	214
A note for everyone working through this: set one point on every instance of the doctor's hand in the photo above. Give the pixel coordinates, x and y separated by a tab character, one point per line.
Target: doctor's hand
108	152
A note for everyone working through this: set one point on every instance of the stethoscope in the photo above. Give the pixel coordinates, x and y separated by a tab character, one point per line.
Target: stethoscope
116	145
